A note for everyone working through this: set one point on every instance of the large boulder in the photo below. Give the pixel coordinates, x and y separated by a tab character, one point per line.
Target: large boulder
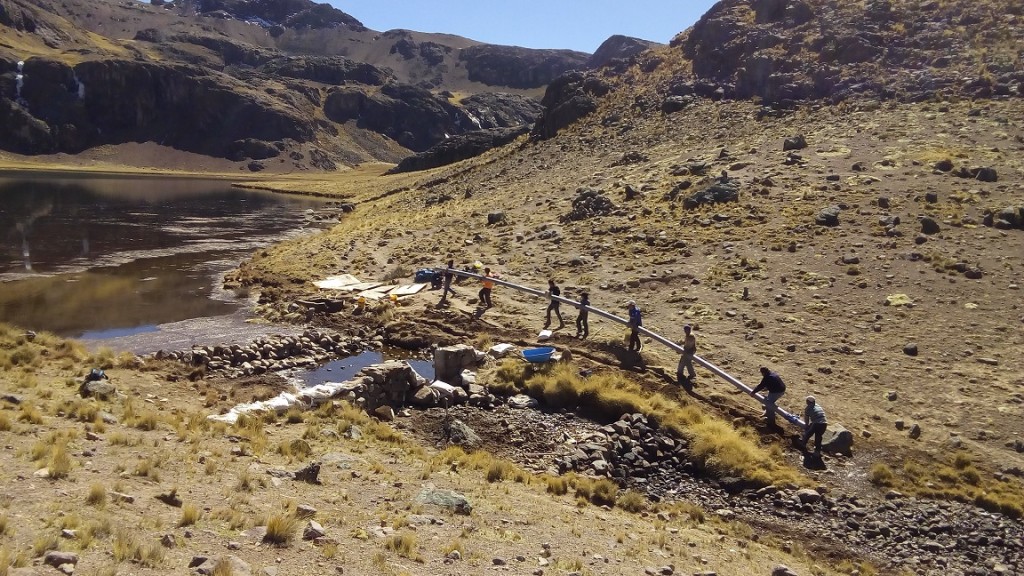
501	110
447	499
838	440
619	47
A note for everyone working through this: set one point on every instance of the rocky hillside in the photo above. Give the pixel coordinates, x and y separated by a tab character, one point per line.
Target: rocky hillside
277	84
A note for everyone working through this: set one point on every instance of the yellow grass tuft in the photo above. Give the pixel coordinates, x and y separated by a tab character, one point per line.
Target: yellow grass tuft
190	514
97	495
403	544
281	529
60	463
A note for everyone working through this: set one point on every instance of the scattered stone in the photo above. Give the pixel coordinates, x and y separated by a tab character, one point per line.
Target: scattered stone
57	558
915	432
989	361
828	216
168	541
119	497
309	474
807	496
313	530
794	143
447	499
385	413
900	424
495	218
929	225
910	349
716	193
459	433
305	511
783	570
891	396
522	401
11	398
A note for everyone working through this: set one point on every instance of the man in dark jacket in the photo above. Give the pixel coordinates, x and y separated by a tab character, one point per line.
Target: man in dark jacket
773	384
635	322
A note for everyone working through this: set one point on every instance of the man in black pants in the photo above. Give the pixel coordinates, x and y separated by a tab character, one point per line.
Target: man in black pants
815	424
582	319
447	278
773	383
554	305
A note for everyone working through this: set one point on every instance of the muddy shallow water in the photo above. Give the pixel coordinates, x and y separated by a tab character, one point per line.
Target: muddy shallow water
109	258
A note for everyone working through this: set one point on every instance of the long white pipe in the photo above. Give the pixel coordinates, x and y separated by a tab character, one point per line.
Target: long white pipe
791	418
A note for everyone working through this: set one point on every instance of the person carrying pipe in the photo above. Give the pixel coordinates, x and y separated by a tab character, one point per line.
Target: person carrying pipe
815	425
773	383
447	281
582	319
554	305
485	291
686	360
635	322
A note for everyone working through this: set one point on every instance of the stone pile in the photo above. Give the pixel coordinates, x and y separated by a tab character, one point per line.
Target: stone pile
589	203
632	449
271	353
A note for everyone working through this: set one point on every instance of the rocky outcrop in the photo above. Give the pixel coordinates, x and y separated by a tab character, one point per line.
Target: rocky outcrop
517	67
568	99
334	70
784	51
288	13
501	110
413	117
458	148
619	47
230	52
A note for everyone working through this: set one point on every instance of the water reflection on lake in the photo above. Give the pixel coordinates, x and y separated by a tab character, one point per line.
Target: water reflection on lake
102	256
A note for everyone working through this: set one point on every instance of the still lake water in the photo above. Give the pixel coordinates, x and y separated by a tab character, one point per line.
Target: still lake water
99	256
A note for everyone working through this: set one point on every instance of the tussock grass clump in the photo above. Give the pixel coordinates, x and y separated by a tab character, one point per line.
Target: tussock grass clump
295	449
44	543
5	422
281	529
715	444
403	544
30	413
556	485
127	547
600	491
97	495
496	469
190	514
632	501
223	568
59	463
4	525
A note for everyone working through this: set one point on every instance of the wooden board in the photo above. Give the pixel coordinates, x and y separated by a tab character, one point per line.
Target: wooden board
408	289
378	292
362	286
340	282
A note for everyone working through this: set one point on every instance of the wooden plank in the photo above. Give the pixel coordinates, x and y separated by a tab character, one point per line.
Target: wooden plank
362	286
339	282
408	289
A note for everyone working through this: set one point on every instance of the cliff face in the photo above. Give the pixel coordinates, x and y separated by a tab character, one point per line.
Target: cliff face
234	78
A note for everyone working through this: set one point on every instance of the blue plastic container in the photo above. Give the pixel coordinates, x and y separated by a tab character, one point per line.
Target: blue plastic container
538	355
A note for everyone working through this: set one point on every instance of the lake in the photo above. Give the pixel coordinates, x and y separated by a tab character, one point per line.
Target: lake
99	257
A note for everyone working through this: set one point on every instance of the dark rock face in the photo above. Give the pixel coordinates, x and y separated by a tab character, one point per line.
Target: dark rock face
290	13
411	116
568	99
461	147
519	67
329	70
619	47
500	110
116	101
430	52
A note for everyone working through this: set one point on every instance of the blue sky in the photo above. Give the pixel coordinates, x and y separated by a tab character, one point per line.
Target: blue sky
574	24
